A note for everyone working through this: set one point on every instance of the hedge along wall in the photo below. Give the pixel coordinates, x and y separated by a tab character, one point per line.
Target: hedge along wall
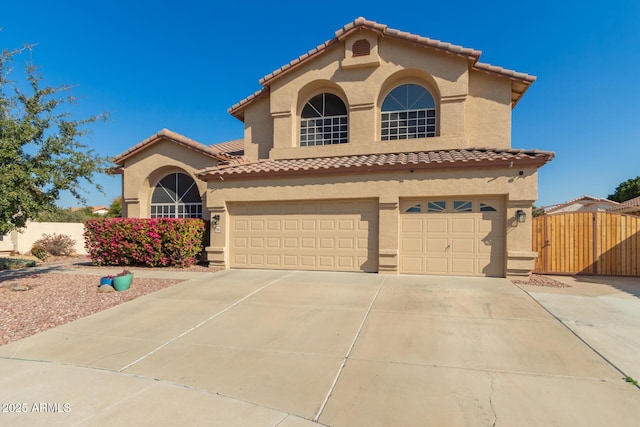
144	241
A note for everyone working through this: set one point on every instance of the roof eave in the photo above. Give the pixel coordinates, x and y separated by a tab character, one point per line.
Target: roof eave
222	174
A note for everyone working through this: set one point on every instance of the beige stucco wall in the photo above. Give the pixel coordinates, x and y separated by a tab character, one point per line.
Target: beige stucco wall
518	191
144	170
488	108
474	108
24	238
258	130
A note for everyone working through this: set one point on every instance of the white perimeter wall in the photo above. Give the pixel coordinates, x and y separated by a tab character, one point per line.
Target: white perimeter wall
23	240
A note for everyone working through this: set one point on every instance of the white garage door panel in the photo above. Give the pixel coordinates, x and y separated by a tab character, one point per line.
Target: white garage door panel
327	235
450	242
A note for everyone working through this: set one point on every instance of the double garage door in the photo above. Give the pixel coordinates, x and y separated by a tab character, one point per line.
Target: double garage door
320	235
462	236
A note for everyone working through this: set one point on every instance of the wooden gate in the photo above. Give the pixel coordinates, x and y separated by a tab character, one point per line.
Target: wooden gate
596	243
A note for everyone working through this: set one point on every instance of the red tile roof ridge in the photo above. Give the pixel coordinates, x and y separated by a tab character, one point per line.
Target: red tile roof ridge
384	30
175	137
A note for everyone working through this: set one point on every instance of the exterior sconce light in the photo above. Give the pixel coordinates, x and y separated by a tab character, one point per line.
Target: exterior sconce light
216	220
521	216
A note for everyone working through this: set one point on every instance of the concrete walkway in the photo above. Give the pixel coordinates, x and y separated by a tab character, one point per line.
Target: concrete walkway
603	311
278	348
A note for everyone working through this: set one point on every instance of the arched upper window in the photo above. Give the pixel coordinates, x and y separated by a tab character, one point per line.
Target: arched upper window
408	111
176	196
323	121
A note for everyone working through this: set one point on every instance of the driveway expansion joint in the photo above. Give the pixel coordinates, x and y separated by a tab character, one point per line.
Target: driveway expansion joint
188	331
346	357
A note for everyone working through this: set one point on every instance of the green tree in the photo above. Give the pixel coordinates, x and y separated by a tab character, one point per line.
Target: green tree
67	215
626	190
115	208
41	153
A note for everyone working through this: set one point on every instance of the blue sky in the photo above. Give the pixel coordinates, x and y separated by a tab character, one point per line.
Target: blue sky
180	65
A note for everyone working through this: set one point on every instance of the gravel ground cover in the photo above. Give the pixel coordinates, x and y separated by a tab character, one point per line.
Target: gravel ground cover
33	301
540	280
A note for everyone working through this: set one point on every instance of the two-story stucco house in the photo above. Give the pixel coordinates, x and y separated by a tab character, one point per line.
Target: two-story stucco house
377	151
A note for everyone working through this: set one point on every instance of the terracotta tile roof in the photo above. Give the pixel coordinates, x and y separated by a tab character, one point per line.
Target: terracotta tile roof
470	157
481	66
176	138
632	202
257	94
631	205
472	55
233	148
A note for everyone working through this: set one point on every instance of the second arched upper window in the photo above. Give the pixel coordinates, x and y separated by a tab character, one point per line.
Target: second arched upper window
324	121
408	111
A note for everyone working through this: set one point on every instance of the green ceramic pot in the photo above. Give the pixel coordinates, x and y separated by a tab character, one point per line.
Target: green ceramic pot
122	283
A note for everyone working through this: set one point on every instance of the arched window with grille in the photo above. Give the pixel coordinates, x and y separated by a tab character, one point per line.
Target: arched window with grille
176	196
408	111
324	121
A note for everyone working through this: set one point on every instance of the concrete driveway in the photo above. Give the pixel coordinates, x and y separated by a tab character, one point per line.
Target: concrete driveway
278	348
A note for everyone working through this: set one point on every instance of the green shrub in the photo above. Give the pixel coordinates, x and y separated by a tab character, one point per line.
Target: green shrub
40	252
144	241
12	263
56	244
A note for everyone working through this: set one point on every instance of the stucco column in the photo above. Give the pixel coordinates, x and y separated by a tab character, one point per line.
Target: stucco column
452	115
388	236
217	252
131	207
283	130
361	120
520	258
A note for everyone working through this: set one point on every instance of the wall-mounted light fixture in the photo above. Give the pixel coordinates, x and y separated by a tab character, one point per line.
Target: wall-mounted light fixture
215	220
521	216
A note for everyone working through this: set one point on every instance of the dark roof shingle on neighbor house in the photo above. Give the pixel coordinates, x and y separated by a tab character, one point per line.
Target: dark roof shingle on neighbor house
379	162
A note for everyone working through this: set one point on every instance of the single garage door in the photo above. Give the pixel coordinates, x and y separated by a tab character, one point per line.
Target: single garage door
460	236
336	235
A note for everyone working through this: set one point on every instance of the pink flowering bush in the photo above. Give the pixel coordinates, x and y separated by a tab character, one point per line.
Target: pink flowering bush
142	241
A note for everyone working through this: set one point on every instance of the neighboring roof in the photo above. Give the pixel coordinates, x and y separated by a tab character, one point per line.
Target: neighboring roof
232	148
635	202
631	205
174	137
589	200
469	157
522	80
